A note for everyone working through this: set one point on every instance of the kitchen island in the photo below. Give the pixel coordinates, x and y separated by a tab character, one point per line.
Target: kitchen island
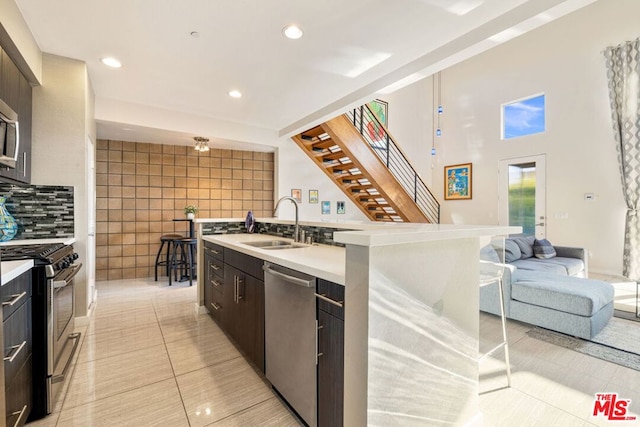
411	317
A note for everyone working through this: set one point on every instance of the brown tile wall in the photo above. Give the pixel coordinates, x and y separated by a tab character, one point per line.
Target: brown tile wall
142	187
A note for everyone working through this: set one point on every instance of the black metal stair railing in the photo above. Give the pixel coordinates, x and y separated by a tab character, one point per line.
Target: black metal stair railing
394	159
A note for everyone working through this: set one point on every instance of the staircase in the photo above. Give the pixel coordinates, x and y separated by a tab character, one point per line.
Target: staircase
357	152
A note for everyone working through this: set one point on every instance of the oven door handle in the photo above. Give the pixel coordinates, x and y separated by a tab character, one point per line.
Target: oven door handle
57	284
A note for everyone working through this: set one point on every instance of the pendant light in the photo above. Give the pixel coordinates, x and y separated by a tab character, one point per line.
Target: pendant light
202	144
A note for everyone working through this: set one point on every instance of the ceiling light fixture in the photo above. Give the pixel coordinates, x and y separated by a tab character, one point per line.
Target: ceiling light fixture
292	32
235	94
202	144
111	62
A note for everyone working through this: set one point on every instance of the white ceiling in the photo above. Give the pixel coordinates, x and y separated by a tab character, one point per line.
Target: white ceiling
351	49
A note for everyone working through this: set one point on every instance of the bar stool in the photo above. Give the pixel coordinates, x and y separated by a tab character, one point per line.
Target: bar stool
168	239
186	263
491	272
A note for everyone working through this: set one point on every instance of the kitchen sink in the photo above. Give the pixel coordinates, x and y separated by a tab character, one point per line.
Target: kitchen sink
274	244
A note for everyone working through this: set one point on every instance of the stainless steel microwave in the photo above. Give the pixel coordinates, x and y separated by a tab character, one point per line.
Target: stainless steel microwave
9	136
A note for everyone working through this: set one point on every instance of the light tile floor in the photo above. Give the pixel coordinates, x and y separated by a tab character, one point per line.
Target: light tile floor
147	359
625	296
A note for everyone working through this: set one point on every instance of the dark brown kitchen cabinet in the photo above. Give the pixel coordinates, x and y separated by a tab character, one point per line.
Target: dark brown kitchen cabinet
330	314
16	92
244	304
17	340
214	280
10	82
234	295
23	166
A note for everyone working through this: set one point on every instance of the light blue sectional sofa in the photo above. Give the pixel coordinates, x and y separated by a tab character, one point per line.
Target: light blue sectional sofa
553	293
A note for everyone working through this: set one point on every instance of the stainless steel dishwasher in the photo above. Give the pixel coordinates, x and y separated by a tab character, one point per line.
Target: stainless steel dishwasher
290	337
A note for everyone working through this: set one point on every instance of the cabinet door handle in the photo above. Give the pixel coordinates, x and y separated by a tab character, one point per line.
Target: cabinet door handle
215	267
240	283
215	306
24	409
318	354
323	297
24	164
18	349
235	288
216	283
14	299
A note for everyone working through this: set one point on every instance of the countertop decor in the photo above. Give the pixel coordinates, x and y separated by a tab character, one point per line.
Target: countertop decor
8	226
191	211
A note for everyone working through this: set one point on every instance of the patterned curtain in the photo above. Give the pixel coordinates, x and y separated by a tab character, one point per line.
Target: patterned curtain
623	72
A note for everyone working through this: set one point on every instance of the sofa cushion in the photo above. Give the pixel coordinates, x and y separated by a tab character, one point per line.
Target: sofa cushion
525	243
574	295
543	249
511	250
557	265
539	265
573	266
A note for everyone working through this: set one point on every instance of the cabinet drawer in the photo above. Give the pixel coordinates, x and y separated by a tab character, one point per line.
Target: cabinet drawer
216	273
216	307
17	340
15	293
335	293
217	283
19	396
214	250
246	263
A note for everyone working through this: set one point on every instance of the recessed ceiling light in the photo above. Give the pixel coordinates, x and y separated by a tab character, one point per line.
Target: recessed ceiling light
235	94
292	32
195	34
111	62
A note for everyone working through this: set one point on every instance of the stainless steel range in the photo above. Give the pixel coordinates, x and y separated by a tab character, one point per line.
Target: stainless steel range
54	342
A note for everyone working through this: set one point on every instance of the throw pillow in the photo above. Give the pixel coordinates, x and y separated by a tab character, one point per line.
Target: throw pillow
543	249
488	253
511	251
525	243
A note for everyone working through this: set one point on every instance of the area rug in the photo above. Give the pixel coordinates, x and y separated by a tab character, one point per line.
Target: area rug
618	342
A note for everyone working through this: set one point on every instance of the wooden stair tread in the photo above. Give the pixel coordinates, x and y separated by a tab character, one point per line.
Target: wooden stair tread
314	132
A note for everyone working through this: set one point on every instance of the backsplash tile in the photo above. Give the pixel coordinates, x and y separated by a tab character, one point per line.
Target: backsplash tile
322	235
41	211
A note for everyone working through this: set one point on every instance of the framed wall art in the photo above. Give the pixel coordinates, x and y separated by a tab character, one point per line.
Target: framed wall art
381	109
326	207
458	182
296	193
340	207
313	196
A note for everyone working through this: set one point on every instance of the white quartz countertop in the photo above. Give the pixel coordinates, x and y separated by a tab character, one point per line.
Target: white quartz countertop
323	261
411	233
12	269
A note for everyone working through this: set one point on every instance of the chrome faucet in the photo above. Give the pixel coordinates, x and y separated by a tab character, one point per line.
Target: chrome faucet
296	234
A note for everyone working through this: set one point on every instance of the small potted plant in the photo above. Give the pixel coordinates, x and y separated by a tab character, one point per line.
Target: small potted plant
190	211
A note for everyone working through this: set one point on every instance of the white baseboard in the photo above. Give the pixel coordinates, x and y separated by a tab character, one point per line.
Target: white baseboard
85	320
201	309
82	321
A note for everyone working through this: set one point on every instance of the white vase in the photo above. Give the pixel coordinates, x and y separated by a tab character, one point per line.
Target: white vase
191	215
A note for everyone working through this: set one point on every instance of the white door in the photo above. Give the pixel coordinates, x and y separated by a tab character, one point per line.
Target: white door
522	194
